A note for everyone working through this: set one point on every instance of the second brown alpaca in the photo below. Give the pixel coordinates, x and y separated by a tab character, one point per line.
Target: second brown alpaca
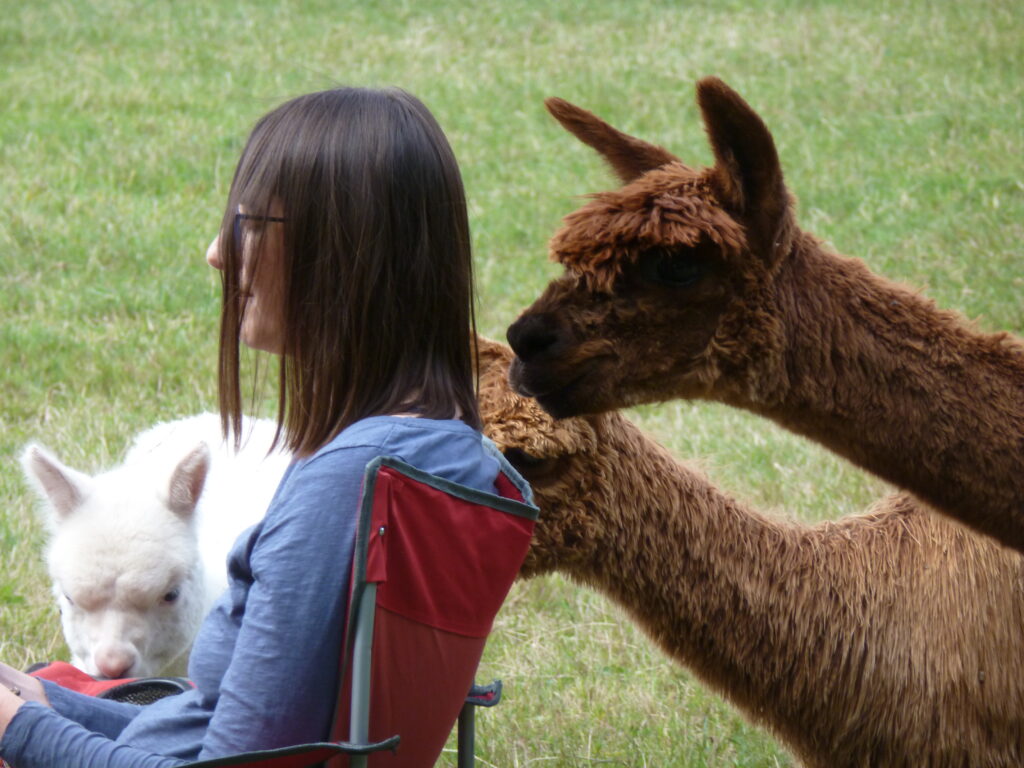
885	640
697	283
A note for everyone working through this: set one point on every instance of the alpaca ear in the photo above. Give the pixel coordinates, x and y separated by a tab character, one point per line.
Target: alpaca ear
187	481
747	173
629	157
63	487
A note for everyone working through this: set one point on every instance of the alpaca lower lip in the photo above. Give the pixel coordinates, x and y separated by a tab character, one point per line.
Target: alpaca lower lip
557	404
529	385
553	397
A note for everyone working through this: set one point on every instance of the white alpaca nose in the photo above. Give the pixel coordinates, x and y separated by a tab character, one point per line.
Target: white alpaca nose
114	661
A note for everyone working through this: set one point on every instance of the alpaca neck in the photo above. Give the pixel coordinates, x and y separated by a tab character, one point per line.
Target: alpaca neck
881	376
717	586
806	629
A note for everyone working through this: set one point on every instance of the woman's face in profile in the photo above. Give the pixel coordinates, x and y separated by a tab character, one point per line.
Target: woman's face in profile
262	239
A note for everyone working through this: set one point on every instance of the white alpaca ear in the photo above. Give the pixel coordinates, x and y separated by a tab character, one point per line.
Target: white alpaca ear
63	487
187	481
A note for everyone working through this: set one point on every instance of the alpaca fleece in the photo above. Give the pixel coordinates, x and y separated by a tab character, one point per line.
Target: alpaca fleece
138	553
698	283
883	640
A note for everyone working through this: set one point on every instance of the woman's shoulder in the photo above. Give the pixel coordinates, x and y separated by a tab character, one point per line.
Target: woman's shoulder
383	433
448	448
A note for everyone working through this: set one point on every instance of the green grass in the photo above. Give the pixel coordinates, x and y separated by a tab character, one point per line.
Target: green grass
899	125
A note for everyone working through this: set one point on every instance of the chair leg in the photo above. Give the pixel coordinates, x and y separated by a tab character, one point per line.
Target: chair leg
467	736
359	717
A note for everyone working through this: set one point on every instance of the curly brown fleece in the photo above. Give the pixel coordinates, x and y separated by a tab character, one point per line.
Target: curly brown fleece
890	639
699	284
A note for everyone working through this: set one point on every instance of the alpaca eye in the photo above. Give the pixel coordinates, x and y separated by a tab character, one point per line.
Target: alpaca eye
171	596
671	269
70	601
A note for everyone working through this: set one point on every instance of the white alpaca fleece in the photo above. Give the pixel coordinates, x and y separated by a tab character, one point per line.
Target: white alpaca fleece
138	554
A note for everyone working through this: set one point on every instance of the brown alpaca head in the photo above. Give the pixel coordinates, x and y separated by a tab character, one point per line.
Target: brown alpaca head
557	458
662	272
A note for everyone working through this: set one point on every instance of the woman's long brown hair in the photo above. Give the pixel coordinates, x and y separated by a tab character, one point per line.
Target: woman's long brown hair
377	271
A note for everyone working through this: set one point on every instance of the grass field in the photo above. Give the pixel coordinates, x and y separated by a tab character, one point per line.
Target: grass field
900	126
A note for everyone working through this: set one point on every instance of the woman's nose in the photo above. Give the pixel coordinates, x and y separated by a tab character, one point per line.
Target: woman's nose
213	254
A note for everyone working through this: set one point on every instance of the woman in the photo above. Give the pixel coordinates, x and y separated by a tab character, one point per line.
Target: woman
345	251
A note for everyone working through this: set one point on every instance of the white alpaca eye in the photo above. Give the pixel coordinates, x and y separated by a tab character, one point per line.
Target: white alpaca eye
171	596
70	601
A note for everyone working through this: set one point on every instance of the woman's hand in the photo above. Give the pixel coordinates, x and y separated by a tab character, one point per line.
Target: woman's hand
10	703
15	689
21	685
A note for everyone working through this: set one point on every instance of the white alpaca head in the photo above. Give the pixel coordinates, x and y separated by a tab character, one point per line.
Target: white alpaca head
124	560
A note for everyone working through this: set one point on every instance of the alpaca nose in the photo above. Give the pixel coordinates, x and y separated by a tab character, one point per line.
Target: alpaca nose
114	662
532	335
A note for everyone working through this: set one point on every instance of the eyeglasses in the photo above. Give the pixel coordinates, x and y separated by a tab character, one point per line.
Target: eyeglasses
240	218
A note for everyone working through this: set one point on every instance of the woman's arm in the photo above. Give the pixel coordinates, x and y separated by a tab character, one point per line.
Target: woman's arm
35	735
10	703
99	715
281	684
16	688
39	737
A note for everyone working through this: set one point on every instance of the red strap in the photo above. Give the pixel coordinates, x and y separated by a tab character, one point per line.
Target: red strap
72	678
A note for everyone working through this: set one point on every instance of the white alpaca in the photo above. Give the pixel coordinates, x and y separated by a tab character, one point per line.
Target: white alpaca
138	554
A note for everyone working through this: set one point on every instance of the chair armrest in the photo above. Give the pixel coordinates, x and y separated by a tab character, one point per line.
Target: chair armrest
485	695
302	756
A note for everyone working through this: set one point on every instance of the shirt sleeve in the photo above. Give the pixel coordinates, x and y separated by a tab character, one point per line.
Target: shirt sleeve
281	683
99	715
40	737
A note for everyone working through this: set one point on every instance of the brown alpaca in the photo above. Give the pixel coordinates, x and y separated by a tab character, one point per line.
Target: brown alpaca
886	639
699	284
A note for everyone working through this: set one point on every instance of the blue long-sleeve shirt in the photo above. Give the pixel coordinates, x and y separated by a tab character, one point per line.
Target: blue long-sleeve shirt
265	661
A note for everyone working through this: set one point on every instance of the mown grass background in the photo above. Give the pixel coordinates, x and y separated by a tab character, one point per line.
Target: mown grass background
898	122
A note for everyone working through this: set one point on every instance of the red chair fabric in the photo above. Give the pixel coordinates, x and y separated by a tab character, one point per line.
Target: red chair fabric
68	676
443	558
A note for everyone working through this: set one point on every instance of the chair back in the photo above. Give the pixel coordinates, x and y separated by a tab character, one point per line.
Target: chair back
433	563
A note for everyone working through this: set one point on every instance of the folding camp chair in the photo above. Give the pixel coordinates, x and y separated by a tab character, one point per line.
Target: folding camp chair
433	563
